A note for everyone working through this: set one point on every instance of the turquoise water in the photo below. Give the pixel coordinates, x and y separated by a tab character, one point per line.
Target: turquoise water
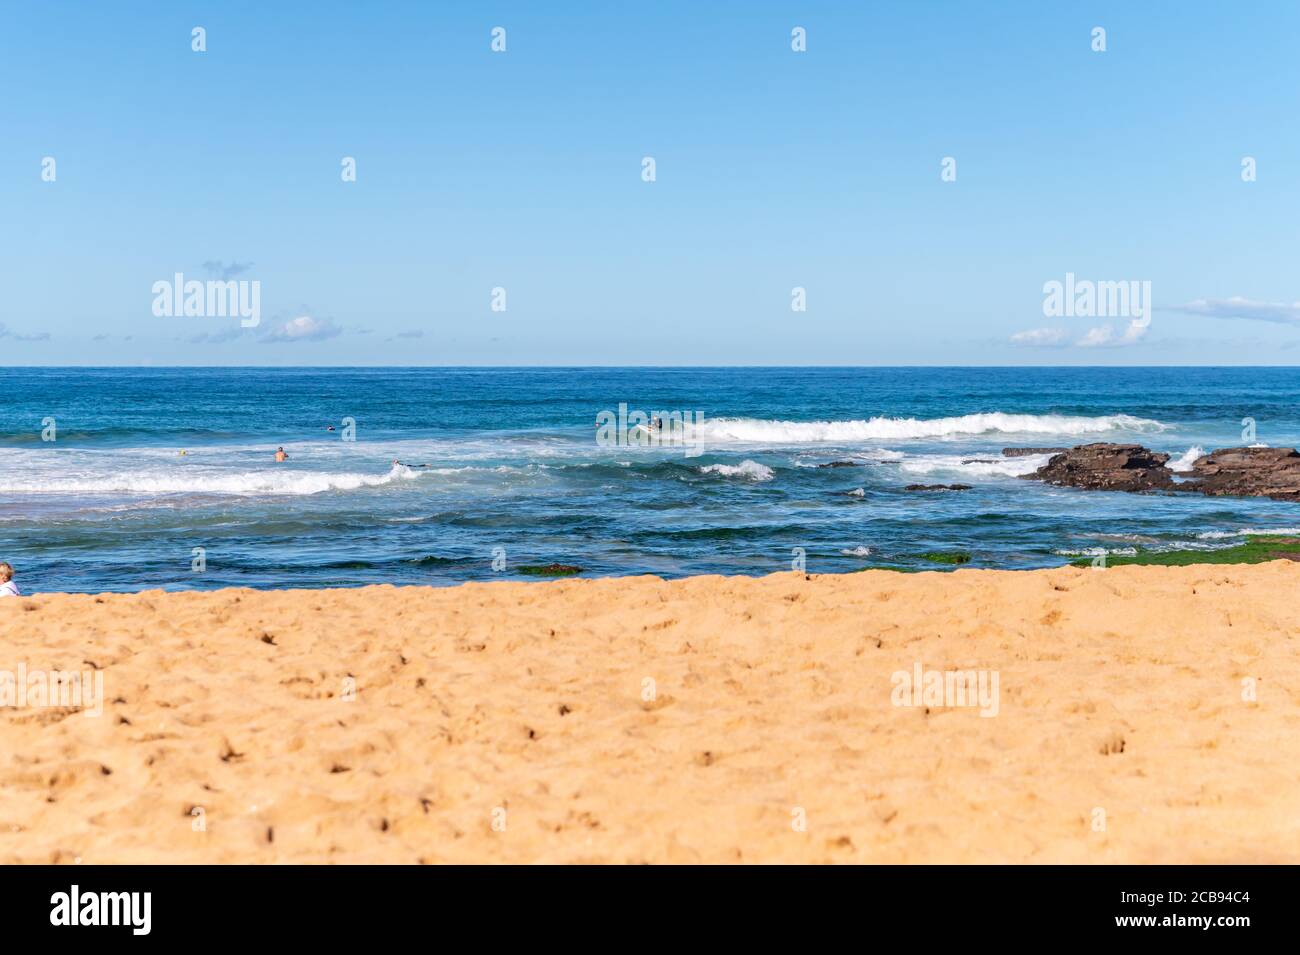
517	477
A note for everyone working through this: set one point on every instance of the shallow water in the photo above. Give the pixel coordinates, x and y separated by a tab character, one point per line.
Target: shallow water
517	477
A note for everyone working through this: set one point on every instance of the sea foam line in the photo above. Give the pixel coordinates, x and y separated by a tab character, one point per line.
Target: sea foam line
244	483
758	431
1250	532
1006	467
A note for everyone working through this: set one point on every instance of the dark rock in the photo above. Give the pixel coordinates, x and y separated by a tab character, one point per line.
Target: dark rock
841	464
1025	452
1247	472
1108	467
1229	472
937	487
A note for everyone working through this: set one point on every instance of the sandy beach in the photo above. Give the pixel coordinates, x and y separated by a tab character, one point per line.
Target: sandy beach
639	720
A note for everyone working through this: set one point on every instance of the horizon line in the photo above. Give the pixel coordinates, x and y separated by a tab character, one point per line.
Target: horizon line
539	367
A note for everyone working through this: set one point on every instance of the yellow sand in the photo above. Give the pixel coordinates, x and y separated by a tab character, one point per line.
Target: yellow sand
1121	691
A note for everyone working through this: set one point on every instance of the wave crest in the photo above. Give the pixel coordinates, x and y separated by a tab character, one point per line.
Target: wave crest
980	467
245	483
750	470
758	431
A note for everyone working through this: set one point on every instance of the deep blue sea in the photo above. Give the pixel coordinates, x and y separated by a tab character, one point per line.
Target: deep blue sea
518	473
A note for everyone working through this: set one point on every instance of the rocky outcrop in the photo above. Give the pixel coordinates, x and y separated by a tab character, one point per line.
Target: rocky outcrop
1025	452
1108	467
937	487
1247	472
1230	472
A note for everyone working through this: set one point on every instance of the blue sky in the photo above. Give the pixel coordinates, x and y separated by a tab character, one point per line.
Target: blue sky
775	170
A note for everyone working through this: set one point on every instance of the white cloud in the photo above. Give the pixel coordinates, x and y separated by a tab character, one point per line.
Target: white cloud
1096	337
304	328
1238	307
1044	337
1104	335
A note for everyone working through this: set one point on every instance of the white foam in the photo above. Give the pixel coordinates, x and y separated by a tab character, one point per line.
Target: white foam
1249	532
1185	461
756	431
750	470
1098	552
1005	467
857	492
241	484
869	456
856	552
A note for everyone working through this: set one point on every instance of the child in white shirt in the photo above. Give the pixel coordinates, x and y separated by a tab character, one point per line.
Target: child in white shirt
7	586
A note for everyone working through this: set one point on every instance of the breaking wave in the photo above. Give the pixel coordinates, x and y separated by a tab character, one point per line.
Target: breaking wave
757	431
750	470
246	483
1185	461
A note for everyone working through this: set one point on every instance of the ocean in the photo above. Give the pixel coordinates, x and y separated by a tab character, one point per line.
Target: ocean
518	474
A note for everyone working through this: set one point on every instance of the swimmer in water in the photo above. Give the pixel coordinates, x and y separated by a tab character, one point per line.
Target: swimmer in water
280	456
